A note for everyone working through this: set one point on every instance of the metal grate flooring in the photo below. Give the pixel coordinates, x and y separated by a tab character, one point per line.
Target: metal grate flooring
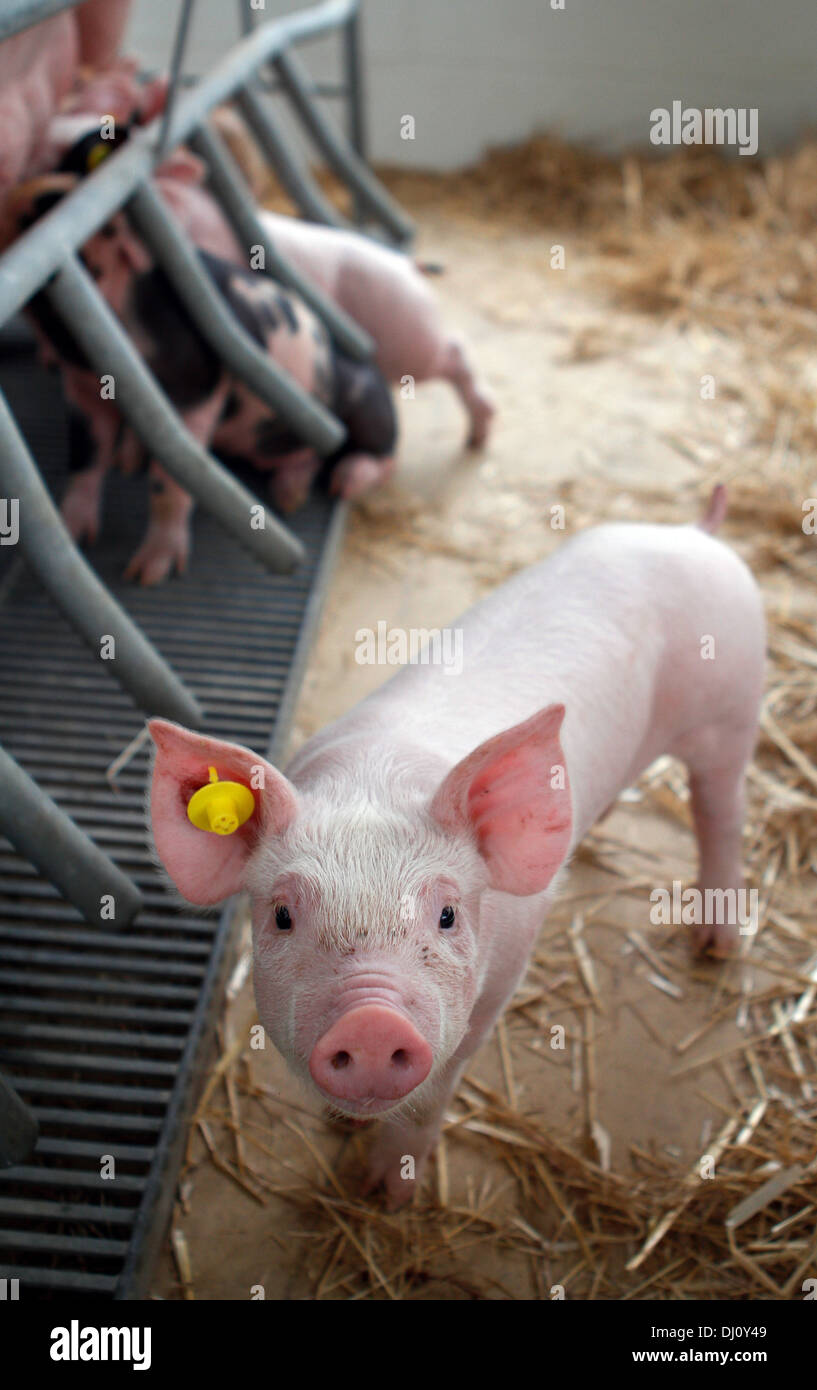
106	1032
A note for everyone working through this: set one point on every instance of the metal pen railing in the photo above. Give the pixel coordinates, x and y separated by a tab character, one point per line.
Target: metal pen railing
46	258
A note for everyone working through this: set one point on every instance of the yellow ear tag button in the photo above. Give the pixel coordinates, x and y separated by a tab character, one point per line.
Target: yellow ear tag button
220	807
97	153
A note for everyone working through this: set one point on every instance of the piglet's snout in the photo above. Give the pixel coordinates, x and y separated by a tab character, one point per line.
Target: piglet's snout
370	1053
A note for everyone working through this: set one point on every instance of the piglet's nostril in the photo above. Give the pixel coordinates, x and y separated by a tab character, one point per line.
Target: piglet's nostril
400	1058
341	1060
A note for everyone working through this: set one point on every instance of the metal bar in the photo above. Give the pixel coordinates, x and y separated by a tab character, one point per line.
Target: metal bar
93	1119
218	326
50	1243
228	185
39	955
75	1280
41	831
355	98
18	1127
39	1209
75	297
321	89
355	93
338	153
35	256
245	16
334	89
36	1030
112	1094
85	1062
74	587
42	979
89	1148
297	181
17	15
179	45
71	1008
75	1177
39	936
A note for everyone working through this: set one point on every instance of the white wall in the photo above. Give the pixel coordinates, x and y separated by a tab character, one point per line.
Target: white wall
476	73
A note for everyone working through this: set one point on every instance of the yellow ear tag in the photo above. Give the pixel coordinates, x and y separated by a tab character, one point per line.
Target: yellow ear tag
97	153
220	807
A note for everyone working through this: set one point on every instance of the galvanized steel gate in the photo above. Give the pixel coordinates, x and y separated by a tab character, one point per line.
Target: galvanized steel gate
104	1028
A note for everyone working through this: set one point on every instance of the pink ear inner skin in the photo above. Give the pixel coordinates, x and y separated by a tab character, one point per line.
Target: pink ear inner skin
503	792
208	868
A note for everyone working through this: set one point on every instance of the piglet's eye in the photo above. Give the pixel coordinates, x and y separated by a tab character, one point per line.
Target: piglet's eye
283	921
447	918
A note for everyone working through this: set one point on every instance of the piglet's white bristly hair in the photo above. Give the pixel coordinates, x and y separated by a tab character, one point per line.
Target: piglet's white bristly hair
365	850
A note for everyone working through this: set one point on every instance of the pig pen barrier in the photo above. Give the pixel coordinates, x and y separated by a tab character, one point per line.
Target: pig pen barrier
104	1024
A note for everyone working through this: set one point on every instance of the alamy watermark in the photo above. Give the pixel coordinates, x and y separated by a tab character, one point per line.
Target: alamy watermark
680	125
693	907
413	646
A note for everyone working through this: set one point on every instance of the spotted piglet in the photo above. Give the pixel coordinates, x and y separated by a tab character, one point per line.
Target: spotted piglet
215	407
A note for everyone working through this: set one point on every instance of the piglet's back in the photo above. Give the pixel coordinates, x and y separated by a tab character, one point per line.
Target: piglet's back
643	632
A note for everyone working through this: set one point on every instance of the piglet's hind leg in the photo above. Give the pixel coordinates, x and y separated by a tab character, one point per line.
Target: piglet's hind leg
474	395
718	808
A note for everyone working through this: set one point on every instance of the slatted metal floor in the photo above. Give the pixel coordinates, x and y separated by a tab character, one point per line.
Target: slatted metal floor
106	1032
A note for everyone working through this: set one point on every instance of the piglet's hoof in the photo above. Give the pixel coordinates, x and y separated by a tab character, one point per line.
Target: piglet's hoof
288	494
396	1163
358	474
716	940
131	455
80	511
398	1192
164	549
482	413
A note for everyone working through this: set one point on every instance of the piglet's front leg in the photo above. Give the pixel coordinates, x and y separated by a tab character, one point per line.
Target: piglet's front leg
401	1147
398	1155
166	546
292	479
358	474
94	426
81	505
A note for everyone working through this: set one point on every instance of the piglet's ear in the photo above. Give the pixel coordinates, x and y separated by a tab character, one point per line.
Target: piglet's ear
205	867
513	795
